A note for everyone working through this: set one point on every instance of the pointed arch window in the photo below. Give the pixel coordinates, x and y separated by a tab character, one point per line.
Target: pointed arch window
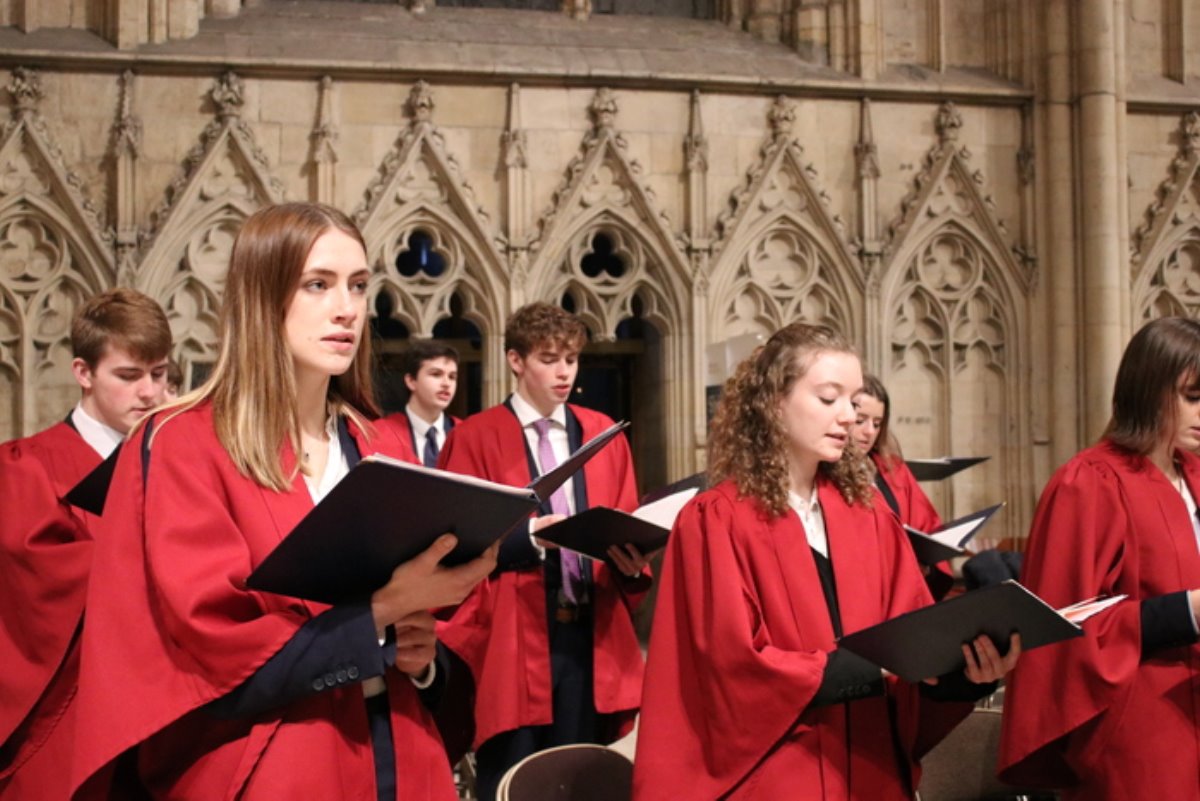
420	257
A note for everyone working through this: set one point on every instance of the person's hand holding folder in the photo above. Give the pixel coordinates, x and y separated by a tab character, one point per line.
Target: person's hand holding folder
423	583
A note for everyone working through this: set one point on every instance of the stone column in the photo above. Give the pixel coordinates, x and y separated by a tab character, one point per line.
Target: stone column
1101	269
1057	231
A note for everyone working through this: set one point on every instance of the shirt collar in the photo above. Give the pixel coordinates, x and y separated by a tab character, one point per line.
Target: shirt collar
420	427
527	415
808	504
102	438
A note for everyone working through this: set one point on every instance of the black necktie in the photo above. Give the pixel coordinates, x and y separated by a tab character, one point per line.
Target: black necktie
429	457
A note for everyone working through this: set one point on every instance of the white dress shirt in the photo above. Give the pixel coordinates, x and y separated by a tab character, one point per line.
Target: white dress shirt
103	439
813	519
420	430
337	465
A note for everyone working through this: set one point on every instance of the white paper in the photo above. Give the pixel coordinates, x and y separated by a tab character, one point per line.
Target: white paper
664	511
956	534
1077	613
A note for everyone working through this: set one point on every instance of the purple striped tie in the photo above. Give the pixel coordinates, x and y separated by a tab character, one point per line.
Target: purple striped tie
572	569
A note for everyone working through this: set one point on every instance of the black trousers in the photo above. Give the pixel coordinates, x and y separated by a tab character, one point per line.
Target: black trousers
575	716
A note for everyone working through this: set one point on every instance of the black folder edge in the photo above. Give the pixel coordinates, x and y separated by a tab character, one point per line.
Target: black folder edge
547	484
877	642
544	485
930	551
564	532
92	490
941	469
697	480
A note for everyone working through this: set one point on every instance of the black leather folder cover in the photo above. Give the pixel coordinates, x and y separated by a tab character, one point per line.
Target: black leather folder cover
927	643
939	469
385	512
930	551
378	516
593	530
697	480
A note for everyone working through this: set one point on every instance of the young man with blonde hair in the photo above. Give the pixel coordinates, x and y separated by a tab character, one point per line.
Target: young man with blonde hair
120	340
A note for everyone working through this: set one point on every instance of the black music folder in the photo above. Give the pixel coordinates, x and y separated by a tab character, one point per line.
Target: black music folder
592	531
950	540
696	481
928	642
92	490
941	468
385	512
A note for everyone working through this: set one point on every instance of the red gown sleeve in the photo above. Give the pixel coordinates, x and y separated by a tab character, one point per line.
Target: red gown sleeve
45	554
189	631
1076	551
718	692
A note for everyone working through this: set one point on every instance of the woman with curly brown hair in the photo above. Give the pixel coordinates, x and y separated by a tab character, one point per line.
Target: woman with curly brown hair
746	694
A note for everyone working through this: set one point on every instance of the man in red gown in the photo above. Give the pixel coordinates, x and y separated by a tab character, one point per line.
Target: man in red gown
431	377
550	638
120	341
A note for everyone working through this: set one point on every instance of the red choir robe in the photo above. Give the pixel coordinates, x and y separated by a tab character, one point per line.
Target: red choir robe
741	636
915	508
45	555
1091	715
171	627
500	630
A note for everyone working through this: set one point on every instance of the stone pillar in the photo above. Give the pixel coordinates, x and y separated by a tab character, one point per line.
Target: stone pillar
223	9
126	145
123	26
322	176
1057	231
513	147
867	27
1102	270
870	243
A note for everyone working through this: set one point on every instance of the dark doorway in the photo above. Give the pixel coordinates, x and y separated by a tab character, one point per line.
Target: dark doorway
624	379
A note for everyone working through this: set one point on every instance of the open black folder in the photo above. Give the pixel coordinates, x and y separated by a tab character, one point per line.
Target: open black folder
592	531
942	468
384	512
950	540
928	642
92	490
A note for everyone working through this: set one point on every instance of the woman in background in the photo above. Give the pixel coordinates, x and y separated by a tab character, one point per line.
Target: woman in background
1120	519
894	480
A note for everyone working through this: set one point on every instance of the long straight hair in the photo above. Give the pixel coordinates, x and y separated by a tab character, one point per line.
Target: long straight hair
884	445
253	384
1162	355
748	439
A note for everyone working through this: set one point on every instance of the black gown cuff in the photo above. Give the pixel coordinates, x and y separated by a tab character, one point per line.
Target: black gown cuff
847	677
1166	622
339	647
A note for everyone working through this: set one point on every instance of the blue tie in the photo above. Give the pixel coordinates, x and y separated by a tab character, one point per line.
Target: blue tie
429	457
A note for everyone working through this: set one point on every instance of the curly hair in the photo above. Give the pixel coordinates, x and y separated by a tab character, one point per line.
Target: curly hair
539	324
747	439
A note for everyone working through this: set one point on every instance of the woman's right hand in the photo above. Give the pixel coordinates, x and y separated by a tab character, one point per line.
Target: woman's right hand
423	583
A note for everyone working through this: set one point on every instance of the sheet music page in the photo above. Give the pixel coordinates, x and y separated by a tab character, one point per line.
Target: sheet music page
664	511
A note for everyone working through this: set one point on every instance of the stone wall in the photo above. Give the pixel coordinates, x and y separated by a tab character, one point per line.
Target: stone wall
925	187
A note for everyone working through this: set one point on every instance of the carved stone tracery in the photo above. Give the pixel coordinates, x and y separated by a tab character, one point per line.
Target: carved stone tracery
1166	245
184	254
54	254
781	252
